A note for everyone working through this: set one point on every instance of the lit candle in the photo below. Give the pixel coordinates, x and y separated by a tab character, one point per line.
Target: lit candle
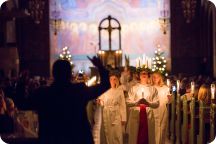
139	62
142	92
192	87
144	59
212	91
178	85
150	63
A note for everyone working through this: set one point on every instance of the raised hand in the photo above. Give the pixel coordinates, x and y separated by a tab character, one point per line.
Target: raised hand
96	61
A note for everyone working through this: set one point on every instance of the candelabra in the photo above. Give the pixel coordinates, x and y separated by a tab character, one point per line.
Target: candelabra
188	7
56	22
36	10
164	18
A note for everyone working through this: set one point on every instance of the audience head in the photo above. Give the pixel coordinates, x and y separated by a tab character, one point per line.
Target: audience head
62	71
204	94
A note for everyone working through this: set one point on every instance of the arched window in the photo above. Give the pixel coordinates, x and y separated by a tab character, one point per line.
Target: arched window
110	42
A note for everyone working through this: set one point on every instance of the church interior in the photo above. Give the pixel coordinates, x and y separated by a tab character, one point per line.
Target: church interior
174	38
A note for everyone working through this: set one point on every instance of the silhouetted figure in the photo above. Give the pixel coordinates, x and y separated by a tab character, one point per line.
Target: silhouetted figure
61	107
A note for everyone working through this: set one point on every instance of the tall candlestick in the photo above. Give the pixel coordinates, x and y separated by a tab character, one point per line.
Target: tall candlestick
192	87
150	63
212	91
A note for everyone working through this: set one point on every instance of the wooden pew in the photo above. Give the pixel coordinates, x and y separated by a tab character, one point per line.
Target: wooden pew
194	120
213	120
189	121
178	118
184	129
173	116
204	118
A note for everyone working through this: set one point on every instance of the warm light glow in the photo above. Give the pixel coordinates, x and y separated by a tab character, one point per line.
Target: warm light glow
213	1
168	82
91	81
192	87
2	1
212	91
178	85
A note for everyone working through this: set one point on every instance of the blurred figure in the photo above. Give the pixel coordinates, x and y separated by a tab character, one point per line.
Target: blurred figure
61	107
3	107
6	121
128	79
161	113
11	109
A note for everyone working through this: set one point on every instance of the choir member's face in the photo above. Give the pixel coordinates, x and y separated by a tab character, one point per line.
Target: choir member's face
113	81
156	78
143	76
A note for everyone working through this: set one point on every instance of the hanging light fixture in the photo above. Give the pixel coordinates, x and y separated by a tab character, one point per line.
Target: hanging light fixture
188	7
36	10
56	21
164	17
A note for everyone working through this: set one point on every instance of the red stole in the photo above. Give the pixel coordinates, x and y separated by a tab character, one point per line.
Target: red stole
143	126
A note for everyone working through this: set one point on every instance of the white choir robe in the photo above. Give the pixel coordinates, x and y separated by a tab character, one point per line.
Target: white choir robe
126	83
113	113
135	94
96	130
161	114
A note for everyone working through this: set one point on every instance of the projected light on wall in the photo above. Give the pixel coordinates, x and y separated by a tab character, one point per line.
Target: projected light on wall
79	28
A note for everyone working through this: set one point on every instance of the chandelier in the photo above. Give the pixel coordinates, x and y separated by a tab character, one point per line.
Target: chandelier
164	18
188	7
56	21
164	21
36	8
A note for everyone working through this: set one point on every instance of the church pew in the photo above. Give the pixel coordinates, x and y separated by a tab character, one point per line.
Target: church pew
184	127
173	117
204	119
191	119
212	120
178	118
169	121
194	120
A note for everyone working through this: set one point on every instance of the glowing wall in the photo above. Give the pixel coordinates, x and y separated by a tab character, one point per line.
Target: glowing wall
79	28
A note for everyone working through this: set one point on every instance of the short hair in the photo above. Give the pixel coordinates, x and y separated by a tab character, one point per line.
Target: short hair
114	73
62	70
